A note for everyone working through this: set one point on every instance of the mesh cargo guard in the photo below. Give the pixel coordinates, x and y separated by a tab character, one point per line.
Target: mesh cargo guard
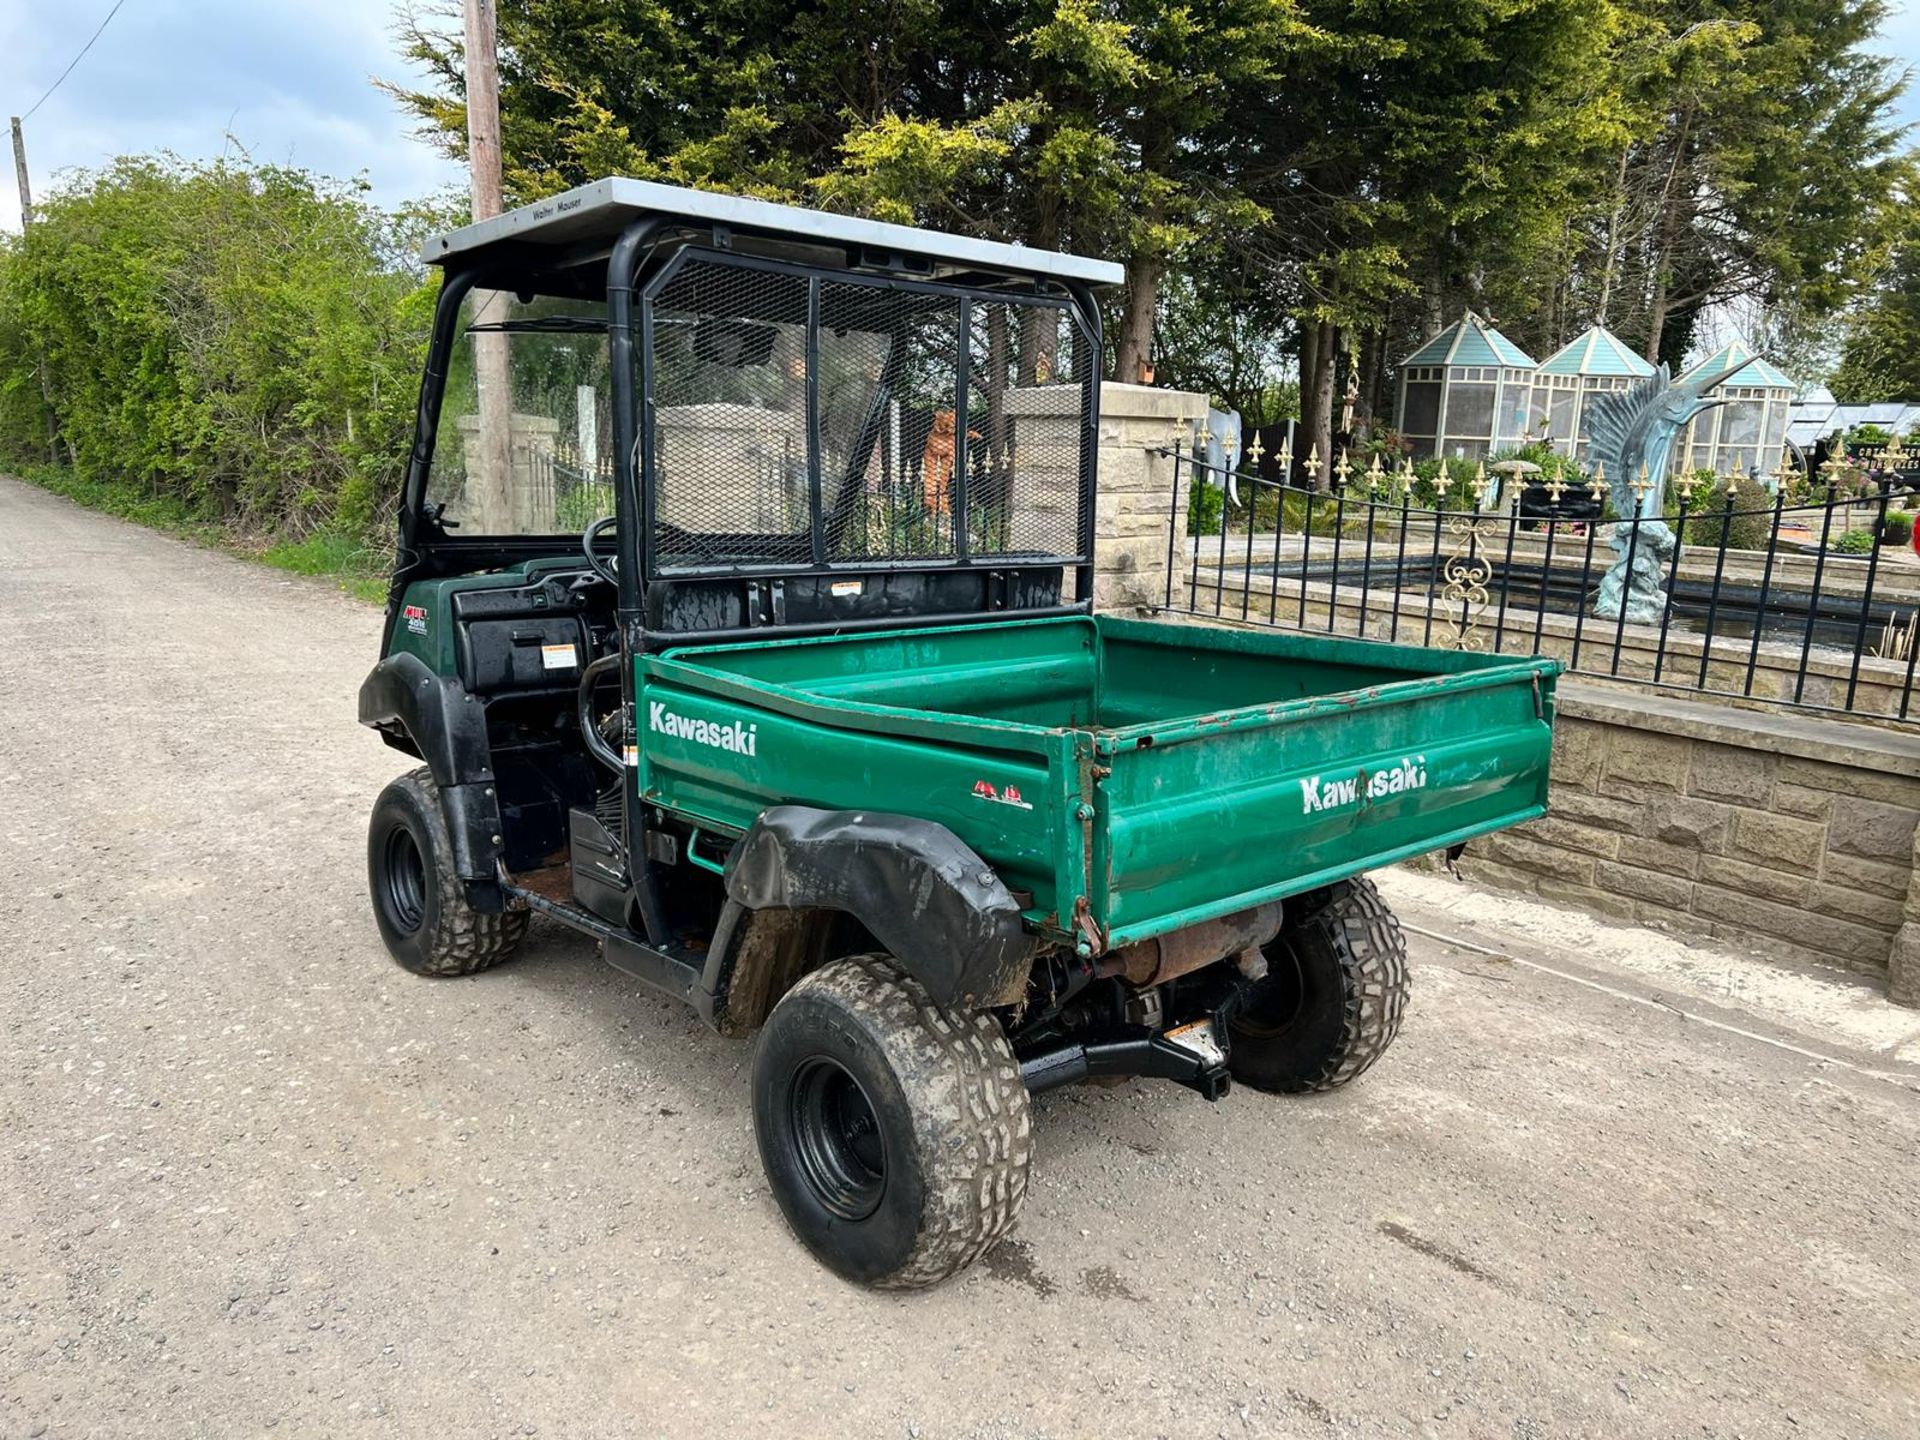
809	421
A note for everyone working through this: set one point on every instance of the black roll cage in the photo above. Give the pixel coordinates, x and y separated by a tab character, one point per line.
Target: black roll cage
633	274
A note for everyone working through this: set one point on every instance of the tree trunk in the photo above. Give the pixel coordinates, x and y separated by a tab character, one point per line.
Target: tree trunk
1675	215
1309	390
1134	347
1319	345
1656	318
1039	359
1326	375
1613	240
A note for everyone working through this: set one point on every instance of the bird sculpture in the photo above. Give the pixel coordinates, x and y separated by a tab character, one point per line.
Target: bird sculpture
1632	433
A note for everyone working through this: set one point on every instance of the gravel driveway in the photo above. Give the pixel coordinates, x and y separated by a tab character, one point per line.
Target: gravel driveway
254	1177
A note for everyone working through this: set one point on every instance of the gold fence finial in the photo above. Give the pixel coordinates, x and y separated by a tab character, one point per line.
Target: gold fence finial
1342	469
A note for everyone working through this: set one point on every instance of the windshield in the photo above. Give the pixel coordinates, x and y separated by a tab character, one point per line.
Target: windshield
525	440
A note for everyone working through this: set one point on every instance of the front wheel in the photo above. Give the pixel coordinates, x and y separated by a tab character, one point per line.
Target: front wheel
1332	998
895	1134
418	900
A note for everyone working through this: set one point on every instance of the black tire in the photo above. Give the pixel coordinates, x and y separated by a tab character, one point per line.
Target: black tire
1333	996
895	1134
418	900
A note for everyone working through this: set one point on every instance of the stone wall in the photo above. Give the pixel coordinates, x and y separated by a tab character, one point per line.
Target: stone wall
1783	834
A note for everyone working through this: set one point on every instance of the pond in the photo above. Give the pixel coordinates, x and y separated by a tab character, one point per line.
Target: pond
1835	623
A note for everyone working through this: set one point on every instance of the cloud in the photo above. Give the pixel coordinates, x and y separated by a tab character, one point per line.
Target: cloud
290	83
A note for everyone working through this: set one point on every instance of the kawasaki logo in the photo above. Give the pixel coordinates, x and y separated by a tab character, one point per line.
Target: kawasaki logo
1329	792
737	738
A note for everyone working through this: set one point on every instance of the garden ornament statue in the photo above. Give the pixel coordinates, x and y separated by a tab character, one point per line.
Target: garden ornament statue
1632	433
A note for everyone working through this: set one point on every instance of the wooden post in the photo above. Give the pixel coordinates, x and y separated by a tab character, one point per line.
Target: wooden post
25	188
20	175
483	108
490	498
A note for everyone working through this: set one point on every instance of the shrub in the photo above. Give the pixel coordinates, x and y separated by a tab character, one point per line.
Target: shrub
1853	542
1747	525
1206	506
1460	475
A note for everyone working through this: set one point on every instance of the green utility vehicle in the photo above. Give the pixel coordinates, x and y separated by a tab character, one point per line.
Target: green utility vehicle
743	622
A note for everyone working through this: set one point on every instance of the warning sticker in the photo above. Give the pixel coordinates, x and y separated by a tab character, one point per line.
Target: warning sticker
559	657
843	589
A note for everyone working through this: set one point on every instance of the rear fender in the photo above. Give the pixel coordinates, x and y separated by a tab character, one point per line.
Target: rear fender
435	718
937	907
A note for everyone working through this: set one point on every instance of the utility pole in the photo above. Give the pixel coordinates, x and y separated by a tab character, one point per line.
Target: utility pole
26	222
483	108
496	509
20	175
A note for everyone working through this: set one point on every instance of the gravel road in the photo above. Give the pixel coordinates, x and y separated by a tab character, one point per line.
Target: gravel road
256	1178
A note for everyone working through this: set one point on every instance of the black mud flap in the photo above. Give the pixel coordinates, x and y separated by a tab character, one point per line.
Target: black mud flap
424	714
938	908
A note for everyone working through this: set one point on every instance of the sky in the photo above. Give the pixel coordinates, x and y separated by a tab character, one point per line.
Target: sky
290	82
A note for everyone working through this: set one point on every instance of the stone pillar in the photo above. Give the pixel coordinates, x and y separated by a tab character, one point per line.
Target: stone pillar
1903	958
1136	501
724	466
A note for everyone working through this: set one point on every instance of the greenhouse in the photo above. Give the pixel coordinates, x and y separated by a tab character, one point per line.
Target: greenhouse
1593	363
1466	392
1746	434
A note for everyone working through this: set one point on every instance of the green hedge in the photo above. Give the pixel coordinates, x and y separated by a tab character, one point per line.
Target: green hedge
230	343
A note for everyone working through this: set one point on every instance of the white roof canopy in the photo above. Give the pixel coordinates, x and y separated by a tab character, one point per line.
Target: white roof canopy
600	211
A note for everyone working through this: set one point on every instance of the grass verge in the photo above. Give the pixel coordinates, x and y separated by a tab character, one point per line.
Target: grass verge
327	555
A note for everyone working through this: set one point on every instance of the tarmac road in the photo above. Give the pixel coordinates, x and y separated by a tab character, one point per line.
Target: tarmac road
255	1178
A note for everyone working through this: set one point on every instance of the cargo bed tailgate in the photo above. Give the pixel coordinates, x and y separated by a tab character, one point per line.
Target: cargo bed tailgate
1202	817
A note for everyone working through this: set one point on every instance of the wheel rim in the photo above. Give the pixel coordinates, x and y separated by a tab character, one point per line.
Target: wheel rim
1275	1001
837	1139
404	880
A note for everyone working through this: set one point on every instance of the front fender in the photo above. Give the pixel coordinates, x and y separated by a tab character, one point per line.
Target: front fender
938	908
446	727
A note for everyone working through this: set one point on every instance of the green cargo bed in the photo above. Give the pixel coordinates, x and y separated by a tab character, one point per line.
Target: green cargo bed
1130	777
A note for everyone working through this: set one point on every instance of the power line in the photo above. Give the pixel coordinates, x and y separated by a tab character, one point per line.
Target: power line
76	59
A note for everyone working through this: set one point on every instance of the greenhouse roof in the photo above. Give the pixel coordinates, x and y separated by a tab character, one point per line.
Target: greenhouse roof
1470	341
1756	372
1596	352
1813	420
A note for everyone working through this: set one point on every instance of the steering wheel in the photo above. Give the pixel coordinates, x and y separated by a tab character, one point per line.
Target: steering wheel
607	567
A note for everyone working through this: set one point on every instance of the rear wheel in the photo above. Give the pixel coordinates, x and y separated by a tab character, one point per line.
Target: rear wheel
418	900
1332	998
895	1134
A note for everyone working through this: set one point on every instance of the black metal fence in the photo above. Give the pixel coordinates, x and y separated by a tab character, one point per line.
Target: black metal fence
1803	592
